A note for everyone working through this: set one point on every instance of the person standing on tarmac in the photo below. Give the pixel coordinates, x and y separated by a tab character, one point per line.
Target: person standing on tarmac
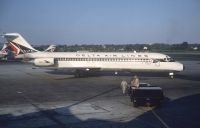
135	82
124	86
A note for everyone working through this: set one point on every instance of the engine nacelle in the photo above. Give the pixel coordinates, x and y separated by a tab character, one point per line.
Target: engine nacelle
44	62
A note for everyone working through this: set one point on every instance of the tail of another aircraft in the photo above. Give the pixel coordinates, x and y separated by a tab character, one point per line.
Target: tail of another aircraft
4	47
51	48
3	51
18	42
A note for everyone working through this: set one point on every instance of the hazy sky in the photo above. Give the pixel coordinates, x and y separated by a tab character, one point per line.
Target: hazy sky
102	21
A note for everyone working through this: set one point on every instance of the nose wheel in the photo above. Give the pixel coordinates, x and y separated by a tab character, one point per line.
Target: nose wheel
171	75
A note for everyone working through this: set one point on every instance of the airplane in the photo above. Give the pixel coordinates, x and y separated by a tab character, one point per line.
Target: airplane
3	51
97	61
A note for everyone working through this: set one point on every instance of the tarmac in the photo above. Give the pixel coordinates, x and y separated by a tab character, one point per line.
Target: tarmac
42	98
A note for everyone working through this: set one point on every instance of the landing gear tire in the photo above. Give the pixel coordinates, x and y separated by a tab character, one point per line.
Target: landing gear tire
78	74
171	75
135	104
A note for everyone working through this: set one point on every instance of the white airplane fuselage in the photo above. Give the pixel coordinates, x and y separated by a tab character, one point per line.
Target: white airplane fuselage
106	61
117	61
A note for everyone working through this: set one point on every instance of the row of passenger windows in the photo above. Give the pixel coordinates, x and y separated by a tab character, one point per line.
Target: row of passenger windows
103	59
93	55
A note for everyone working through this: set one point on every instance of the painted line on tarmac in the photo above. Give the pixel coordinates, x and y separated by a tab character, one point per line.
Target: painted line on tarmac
160	119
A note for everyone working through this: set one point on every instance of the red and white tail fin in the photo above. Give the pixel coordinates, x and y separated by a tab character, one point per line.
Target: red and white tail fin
18	43
13	48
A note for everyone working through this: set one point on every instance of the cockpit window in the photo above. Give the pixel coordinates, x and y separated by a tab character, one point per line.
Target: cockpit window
171	59
168	59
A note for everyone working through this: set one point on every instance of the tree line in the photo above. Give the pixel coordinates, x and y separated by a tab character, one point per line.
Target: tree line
157	47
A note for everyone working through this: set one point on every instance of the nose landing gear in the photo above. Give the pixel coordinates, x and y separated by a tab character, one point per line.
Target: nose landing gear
171	75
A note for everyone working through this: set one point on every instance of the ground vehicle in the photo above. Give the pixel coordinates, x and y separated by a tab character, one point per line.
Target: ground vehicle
146	94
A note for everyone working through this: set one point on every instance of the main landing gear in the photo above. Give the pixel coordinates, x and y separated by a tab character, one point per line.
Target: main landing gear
79	73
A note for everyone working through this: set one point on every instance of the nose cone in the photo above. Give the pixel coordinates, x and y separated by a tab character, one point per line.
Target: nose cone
180	66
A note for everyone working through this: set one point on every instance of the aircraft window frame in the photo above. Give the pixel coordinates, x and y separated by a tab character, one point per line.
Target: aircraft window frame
113	59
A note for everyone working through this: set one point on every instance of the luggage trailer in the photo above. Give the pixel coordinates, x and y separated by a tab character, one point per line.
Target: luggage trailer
146	94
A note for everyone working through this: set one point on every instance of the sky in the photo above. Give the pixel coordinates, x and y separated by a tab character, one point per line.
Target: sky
102	21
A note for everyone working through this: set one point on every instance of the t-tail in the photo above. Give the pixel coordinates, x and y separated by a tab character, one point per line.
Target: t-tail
18	43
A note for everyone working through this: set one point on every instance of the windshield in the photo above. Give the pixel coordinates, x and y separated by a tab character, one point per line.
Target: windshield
168	59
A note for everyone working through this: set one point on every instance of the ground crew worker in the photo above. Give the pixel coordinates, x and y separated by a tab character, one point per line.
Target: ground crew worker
124	86
135	82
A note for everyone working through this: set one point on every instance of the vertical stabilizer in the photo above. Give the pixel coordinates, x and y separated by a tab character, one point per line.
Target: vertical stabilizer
17	40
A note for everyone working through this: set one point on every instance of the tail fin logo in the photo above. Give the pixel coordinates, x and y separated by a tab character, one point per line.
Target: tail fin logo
20	49
13	48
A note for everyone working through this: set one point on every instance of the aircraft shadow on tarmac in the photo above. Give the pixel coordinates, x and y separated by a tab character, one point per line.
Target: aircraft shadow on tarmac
128	74
180	113
108	73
